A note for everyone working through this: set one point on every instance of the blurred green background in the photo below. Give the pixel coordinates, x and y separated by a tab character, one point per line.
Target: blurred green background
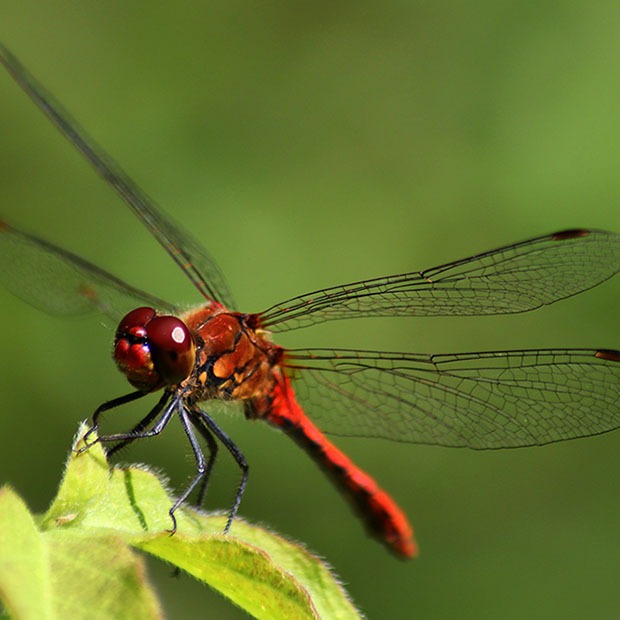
309	144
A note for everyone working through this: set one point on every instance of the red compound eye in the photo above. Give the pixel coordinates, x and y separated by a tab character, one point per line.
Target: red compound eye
172	348
153	351
136	318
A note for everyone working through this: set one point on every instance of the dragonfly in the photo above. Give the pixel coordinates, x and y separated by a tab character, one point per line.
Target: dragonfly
212	352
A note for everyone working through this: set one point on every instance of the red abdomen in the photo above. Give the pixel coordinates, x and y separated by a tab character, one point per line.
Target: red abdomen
383	518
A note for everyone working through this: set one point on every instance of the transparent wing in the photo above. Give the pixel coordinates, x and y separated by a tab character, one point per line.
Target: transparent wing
59	282
198	265
514	278
497	399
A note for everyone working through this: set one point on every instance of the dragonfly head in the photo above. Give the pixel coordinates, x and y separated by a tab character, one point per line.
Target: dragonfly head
153	350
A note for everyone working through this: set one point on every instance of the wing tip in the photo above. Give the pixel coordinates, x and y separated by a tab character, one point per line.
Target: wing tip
611	355
571	233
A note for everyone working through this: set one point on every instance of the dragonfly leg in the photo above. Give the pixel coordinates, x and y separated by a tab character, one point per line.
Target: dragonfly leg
137	432
127	438
213	449
202	419
111	404
203	468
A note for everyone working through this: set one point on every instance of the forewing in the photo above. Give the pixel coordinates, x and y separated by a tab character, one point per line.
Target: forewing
197	264
511	279
62	283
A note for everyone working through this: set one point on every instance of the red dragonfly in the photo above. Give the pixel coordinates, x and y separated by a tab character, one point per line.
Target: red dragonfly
482	400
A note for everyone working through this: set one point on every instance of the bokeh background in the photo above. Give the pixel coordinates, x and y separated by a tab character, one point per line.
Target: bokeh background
309	144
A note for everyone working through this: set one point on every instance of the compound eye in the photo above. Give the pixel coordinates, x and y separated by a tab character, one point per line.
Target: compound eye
135	319
172	348
132	351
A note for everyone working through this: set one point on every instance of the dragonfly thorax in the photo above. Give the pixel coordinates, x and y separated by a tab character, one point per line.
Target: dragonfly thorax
235	360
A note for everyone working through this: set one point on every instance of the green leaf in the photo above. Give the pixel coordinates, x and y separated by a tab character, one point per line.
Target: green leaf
79	563
98	577
48	575
24	573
